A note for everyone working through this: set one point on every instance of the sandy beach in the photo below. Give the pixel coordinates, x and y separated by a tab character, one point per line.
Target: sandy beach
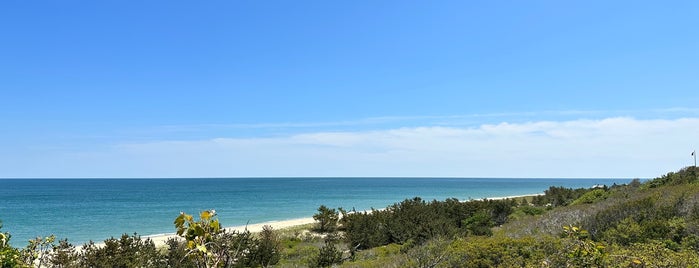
160	239
511	197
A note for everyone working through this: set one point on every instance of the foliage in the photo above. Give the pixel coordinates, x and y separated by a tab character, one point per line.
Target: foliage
128	251
63	255
266	249
529	210
36	252
592	197
300	254
479	224
684	176
209	245
633	225
328	255
199	237
176	254
558	196
580	251
415	221
364	230
650	254
327	219
431	254
625	233
9	257
500	251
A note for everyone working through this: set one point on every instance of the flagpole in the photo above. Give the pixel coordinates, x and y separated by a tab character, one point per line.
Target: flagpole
694	154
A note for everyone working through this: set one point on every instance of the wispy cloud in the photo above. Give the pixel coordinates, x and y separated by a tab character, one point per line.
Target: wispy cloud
611	147
471	120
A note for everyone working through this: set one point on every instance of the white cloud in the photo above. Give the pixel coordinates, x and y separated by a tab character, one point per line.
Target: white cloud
433	120
613	147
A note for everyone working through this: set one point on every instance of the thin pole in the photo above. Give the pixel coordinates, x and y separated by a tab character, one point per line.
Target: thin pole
694	154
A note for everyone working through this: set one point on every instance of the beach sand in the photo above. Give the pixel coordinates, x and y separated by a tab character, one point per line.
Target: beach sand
511	197
159	240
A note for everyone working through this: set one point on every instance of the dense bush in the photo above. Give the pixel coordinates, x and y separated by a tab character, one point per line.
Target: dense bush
684	176
204	244
266	248
592	197
573	249
365	230
128	251
9	256
328	255
559	196
415	221
327	219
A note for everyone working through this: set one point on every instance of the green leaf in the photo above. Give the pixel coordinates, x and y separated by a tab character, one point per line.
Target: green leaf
216	226
198	230
179	221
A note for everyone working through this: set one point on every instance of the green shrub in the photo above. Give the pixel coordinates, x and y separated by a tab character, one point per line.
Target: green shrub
266	250
38	250
64	255
650	254
9	257
327	219
528	210
684	176
558	196
176	254
128	251
479	223
328	255
591	197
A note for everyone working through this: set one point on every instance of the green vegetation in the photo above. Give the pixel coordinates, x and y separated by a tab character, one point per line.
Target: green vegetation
327	219
650	224
9	256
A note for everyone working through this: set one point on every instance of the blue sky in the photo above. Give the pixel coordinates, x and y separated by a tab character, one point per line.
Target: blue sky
330	88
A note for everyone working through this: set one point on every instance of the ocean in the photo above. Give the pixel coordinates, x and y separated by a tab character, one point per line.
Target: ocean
96	209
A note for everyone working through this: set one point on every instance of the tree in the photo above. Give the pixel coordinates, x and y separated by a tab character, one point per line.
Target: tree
127	251
209	245
200	235
328	254
327	219
37	252
267	250
479	223
63	255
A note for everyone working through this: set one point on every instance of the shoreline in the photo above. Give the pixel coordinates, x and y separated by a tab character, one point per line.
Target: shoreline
112	208
509	197
160	239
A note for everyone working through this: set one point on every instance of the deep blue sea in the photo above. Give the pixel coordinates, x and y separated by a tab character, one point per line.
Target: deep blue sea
96	209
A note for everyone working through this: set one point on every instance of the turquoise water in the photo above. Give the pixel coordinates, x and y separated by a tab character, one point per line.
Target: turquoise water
96	209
